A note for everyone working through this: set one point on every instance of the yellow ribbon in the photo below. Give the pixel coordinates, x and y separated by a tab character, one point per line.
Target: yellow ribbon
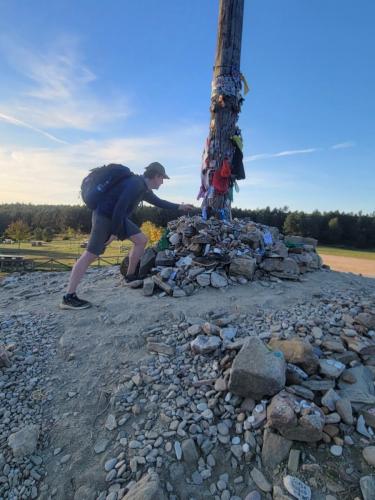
245	84
237	139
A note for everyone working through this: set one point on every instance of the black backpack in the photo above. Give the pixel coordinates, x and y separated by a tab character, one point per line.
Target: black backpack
100	180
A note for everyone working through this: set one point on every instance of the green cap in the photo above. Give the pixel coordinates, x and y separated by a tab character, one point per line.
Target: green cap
156	168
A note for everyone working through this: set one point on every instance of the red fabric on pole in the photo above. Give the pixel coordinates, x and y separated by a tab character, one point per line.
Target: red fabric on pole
220	180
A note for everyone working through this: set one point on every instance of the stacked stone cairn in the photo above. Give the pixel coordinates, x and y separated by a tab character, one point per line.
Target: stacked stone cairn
218	253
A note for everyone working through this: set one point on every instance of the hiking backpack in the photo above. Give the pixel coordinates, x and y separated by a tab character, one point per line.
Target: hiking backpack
100	180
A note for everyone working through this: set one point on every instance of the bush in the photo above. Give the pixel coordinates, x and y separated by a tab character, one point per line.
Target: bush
152	231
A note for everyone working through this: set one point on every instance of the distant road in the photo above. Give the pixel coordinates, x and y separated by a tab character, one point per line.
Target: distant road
366	267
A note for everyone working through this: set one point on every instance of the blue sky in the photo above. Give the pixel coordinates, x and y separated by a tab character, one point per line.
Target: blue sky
85	83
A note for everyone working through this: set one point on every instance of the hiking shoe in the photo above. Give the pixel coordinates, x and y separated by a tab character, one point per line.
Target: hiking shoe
71	301
131	277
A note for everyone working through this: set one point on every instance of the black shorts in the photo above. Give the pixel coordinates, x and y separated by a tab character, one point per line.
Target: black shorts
101	231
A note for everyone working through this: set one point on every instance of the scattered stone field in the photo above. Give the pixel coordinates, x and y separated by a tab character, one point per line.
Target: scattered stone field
262	390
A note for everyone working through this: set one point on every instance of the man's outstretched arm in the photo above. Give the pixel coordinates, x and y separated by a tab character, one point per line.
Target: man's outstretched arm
151	198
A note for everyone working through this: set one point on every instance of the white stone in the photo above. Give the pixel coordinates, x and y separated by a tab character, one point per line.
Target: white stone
110	423
336	450
297	488
369	455
24	441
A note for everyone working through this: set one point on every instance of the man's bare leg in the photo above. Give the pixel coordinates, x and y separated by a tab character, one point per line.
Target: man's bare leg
139	244
79	269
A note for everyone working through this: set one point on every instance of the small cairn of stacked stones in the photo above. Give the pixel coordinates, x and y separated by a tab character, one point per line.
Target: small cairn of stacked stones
219	253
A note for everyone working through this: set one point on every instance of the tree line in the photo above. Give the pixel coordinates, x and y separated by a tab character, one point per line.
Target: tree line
334	228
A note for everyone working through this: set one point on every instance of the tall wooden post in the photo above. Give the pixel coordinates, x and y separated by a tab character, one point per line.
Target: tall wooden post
224	139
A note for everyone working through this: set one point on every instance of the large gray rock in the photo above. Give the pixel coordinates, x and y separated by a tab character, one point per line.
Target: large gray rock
362	391
297	488
297	352
218	280
147	262
4	357
345	410
316	262
243	266
253	237
367	484
275	448
148	287
366	319
257	371
281	249
203	279
85	492
24	441
369	416
165	258
189	452
204	344
260	480
174	239
330	399
287	267
307	261
306	425
161	348
369	455
147	488
319	385
331	368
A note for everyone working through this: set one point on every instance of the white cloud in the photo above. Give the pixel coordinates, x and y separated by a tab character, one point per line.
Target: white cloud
53	175
58	92
292	152
343	145
43	175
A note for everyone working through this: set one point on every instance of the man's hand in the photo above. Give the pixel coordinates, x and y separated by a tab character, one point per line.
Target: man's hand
186	208
110	239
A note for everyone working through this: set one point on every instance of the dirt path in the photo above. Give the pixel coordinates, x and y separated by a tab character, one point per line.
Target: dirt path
366	267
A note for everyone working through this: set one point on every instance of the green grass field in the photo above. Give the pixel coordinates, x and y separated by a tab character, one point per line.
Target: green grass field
61	254
345	252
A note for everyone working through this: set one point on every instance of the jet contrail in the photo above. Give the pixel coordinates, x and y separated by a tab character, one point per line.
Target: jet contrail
15	121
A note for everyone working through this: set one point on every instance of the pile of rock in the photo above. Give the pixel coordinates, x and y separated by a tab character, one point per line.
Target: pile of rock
316	383
218	253
251	391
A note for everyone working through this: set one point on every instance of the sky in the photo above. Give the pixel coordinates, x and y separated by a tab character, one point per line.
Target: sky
86	83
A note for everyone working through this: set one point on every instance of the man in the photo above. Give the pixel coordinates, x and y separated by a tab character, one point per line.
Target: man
110	221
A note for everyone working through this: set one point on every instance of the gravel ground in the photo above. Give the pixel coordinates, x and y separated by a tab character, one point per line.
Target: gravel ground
112	393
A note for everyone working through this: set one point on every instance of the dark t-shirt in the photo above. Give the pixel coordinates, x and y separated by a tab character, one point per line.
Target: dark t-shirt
123	199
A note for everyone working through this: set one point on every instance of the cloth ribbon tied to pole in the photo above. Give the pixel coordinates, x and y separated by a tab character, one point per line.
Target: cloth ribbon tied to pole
245	84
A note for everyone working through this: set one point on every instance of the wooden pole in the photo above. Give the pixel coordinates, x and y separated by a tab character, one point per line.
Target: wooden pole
226	100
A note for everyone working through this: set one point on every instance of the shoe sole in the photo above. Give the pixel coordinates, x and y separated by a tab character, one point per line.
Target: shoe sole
127	283
66	306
